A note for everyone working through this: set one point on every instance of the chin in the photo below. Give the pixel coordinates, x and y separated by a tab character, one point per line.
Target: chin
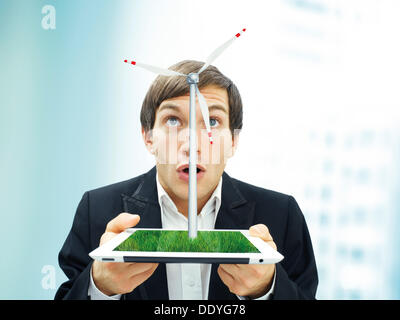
183	191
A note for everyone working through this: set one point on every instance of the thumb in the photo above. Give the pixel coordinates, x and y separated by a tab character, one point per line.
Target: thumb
106	237
122	221
261	231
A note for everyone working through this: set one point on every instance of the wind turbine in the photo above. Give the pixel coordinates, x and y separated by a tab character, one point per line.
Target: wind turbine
192	79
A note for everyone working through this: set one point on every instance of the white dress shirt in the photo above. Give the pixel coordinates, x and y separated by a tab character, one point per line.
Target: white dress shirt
188	281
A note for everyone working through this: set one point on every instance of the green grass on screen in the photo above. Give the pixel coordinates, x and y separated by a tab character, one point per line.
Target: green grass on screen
178	241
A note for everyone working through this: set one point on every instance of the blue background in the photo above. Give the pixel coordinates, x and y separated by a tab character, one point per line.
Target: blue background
319	82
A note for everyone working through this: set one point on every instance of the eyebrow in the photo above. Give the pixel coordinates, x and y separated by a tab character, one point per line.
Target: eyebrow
172	106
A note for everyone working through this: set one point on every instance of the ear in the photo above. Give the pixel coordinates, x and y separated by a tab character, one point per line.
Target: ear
148	140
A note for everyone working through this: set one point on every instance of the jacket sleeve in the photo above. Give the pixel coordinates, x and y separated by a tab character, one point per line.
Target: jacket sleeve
73	257
296	275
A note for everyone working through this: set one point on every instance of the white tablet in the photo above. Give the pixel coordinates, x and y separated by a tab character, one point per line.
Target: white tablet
174	246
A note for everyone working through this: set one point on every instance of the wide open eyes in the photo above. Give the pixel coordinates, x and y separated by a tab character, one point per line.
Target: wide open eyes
214	122
175	122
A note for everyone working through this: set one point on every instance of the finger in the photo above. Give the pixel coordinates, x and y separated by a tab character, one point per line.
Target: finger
260	231
140	278
138	268
272	244
145	273
250	270
106	236
246	271
122	221
232	269
225	277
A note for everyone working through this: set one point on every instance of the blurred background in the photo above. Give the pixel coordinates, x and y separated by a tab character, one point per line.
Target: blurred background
320	84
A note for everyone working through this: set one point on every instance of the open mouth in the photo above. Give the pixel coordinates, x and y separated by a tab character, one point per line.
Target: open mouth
183	172
186	170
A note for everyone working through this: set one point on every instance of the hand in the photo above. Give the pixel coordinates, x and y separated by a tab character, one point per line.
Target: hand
120	277
252	280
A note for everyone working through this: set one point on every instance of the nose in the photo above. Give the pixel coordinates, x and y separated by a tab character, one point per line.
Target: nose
185	146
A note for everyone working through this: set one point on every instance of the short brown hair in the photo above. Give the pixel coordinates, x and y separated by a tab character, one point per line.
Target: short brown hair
167	87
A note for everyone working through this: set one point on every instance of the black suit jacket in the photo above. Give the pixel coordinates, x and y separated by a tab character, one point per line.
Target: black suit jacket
242	206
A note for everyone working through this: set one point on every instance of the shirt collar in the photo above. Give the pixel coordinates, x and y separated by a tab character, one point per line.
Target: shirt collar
213	204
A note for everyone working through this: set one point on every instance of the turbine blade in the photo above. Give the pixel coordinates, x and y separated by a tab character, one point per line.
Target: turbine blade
162	71
217	52
204	112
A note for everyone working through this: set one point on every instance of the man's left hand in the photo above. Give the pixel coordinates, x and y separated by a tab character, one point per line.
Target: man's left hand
251	280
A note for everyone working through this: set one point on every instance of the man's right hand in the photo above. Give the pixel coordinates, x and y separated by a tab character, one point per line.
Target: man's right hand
120	277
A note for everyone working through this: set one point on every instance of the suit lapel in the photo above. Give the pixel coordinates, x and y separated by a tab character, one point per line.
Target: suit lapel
235	211
144	202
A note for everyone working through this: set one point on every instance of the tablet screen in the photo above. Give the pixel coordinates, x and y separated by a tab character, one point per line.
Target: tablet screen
178	241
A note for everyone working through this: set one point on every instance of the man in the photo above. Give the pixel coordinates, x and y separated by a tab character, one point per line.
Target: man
159	199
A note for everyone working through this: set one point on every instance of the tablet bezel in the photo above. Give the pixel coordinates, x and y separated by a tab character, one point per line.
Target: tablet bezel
106	252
